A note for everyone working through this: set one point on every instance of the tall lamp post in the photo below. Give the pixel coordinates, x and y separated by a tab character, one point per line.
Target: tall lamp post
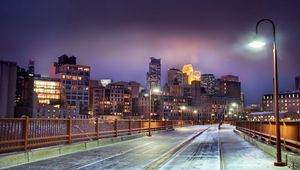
182	108
156	91
257	44
235	107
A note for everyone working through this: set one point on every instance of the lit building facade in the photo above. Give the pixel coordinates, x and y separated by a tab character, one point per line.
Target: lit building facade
48	91
154	74
74	81
112	100
8	76
288	102
99	99
172	108
191	73
208	81
48	101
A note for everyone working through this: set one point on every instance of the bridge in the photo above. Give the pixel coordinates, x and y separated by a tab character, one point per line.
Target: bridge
122	144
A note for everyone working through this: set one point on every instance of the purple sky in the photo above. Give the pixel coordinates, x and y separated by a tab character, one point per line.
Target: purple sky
117	37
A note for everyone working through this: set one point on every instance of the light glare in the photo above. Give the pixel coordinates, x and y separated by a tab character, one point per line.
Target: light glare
257	44
156	90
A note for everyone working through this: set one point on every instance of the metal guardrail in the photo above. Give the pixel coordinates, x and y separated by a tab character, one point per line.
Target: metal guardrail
265	130
27	133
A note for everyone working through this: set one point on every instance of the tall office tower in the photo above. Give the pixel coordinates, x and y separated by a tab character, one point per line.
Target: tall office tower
208	81
154	73
297	82
191	73
31	68
175	77
8	74
74	79
230	86
24	92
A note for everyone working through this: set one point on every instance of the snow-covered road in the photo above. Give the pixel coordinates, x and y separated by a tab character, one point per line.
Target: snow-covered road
214	149
221	150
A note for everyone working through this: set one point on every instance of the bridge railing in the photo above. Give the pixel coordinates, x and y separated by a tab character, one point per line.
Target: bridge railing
27	133
266	131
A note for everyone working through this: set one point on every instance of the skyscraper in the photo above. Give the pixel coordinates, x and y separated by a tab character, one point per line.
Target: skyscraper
191	73
8	74
24	91
154	74
208	81
74	80
297	82
175	77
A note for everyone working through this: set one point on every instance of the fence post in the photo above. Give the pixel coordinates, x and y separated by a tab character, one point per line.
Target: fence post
129	126
283	135
172	124
166	124
141	126
69	128
25	132
116	127
260	128
97	128
270	126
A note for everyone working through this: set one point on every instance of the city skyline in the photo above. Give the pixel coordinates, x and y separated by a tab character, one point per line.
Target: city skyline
108	35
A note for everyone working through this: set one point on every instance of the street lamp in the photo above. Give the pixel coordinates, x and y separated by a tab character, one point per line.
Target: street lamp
258	44
195	112
236	106
155	91
182	108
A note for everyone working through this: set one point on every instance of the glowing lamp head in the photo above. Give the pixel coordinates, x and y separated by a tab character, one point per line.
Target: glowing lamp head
182	107
156	90
234	104
257	42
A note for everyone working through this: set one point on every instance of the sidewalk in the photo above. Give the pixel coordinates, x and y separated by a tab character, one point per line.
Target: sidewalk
221	150
239	154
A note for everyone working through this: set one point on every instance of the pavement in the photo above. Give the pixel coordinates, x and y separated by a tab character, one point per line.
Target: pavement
212	150
221	150
131	154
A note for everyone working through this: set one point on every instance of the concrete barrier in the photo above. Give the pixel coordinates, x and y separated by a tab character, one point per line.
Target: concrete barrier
291	159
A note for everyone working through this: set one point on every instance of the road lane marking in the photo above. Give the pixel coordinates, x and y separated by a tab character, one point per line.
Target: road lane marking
119	154
222	165
165	157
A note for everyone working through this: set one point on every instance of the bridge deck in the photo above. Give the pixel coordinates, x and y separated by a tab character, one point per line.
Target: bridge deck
213	149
